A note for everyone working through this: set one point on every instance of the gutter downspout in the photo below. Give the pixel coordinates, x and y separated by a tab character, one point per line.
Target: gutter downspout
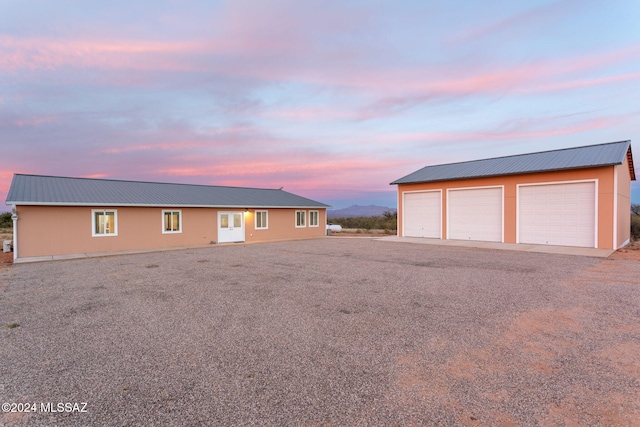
14	217
615	208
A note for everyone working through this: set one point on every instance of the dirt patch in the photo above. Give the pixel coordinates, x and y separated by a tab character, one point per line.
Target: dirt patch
630	252
6	259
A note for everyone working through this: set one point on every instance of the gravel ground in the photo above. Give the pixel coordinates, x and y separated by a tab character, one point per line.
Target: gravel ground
323	332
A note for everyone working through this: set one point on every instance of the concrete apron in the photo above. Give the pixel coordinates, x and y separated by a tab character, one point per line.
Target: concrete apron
548	249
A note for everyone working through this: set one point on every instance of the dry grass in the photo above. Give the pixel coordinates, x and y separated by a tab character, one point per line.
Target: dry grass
6	234
6	259
362	231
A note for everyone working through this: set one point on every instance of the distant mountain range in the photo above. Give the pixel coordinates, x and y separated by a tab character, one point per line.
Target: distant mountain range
357	210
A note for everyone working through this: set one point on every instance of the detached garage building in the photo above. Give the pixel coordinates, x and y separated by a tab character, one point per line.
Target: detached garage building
571	197
69	216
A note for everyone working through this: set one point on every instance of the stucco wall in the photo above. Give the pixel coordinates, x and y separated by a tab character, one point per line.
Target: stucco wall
61	230
281	225
604	175
624	204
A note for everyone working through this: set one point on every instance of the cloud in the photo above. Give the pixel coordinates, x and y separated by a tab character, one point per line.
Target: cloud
324	97
36	120
510	130
577	84
35	53
6	175
258	47
246	39
336	112
529	20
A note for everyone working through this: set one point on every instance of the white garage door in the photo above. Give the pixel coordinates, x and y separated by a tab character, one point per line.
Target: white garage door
475	214
557	214
422	214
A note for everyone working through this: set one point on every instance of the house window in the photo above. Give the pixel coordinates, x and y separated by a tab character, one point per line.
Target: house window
262	220
301	219
104	223
313	218
171	222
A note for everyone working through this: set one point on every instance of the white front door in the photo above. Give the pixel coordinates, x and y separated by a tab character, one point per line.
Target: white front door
230	227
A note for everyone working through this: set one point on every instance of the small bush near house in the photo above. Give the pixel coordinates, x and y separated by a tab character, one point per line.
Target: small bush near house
635	228
635	222
5	220
6	227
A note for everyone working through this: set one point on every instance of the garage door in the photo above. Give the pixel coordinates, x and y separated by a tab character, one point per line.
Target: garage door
422	214
557	214
475	214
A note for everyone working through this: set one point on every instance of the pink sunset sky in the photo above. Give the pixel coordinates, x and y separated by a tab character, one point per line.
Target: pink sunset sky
331	100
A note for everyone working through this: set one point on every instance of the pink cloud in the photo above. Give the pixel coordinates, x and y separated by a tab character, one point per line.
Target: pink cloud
591	124
5	181
511	131
414	87
584	83
95	175
165	146
266	59
36	121
300	171
242	36
308	70
531	18
285	26
308	113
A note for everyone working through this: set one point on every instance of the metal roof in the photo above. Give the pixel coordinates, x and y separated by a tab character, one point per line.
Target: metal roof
612	153
64	191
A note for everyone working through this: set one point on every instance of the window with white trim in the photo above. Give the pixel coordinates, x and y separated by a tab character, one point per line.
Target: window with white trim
262	222
301	219
104	222
171	222
313	218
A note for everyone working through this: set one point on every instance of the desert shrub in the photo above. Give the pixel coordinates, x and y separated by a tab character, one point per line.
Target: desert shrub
635	227
635	222
5	220
387	221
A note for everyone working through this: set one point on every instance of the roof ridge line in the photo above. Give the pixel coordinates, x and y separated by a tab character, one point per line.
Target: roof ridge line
144	182
527	154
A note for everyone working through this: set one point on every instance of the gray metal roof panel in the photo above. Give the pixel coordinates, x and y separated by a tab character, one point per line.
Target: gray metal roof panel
612	153
55	190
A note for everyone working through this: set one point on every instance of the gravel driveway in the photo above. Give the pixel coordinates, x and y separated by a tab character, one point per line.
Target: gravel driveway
323	332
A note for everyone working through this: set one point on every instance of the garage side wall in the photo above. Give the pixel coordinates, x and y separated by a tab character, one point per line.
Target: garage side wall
605	197
623	232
